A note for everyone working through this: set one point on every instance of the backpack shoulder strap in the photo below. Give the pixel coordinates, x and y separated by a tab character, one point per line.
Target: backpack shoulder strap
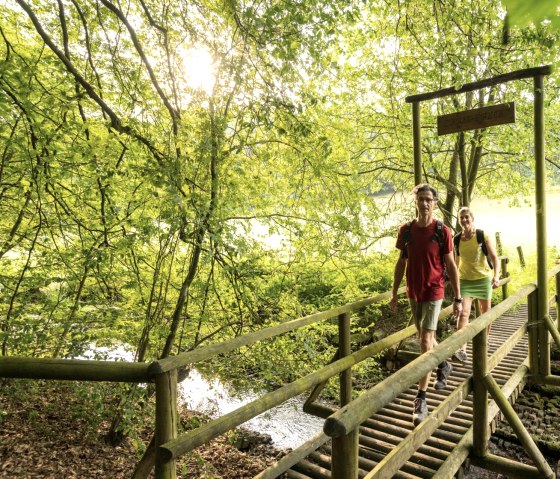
439	236
456	242
439	233
407	237
480	240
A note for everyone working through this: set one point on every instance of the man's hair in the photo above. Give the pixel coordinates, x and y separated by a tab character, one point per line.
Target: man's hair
465	209
425	187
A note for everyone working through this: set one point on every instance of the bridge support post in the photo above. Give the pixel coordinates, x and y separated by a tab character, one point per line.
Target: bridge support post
345	448
533	333
344	349
558	300
480	394
345	456
540	203
417	142
166	421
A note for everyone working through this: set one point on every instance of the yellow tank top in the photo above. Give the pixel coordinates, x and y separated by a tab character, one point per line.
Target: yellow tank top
473	263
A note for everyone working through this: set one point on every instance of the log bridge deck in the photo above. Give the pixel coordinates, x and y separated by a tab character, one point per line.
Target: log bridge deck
385	429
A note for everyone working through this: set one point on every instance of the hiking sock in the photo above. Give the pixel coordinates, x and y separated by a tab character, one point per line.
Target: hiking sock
421	394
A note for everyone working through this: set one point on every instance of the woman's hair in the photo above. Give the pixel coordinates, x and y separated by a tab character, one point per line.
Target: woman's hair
465	209
425	187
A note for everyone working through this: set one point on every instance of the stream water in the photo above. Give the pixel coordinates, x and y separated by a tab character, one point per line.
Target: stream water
286	424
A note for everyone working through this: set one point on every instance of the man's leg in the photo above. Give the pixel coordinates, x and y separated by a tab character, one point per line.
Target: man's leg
427	343
427	340
426	318
430	318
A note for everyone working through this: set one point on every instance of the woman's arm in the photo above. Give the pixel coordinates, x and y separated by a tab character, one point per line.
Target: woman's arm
494	260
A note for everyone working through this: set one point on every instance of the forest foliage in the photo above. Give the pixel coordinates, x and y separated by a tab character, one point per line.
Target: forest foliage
139	207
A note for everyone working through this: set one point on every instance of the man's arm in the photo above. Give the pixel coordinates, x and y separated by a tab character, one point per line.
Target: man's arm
453	274
400	268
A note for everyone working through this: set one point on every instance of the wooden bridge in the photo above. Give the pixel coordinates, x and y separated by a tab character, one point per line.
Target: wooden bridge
382	434
371	436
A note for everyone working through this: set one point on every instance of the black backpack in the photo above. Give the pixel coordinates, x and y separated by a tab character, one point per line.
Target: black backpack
479	240
438	236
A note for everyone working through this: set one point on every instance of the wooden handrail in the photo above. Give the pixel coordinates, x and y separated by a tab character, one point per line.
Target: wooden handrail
553	272
204	433
73	369
201	354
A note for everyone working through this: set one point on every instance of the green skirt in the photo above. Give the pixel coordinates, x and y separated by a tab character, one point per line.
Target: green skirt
477	288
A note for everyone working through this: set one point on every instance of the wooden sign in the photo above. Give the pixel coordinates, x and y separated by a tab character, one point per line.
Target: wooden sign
477	118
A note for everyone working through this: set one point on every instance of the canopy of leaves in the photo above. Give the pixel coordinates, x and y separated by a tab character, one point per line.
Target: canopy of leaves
139	207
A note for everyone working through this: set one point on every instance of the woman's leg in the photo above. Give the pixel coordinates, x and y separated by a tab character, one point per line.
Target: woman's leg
463	319
485	305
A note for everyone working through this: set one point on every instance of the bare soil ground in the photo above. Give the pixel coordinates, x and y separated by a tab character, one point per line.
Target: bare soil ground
39	439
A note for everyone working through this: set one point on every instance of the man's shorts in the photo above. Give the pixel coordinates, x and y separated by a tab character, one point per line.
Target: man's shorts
426	314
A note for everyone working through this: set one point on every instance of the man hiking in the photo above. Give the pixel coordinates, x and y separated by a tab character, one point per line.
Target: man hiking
426	247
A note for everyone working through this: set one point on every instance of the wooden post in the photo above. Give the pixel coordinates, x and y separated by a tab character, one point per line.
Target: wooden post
521	257
505	274
417	142
533	333
558	299
480	394
345	349
540	200
345	448
166	421
498	244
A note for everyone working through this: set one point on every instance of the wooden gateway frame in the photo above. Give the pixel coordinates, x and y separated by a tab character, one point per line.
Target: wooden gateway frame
540	356
540	325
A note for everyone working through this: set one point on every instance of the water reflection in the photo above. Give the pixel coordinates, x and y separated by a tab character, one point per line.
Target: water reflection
287	424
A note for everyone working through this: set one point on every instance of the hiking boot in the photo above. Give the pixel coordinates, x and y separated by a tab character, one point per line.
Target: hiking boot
420	411
461	356
442	375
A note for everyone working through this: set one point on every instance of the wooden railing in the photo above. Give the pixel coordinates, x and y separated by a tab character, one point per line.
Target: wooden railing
341	426
164	373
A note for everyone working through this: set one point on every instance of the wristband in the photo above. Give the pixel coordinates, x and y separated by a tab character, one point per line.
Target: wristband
458	300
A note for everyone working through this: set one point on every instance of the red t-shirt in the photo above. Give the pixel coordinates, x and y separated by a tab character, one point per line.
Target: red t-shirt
424	268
